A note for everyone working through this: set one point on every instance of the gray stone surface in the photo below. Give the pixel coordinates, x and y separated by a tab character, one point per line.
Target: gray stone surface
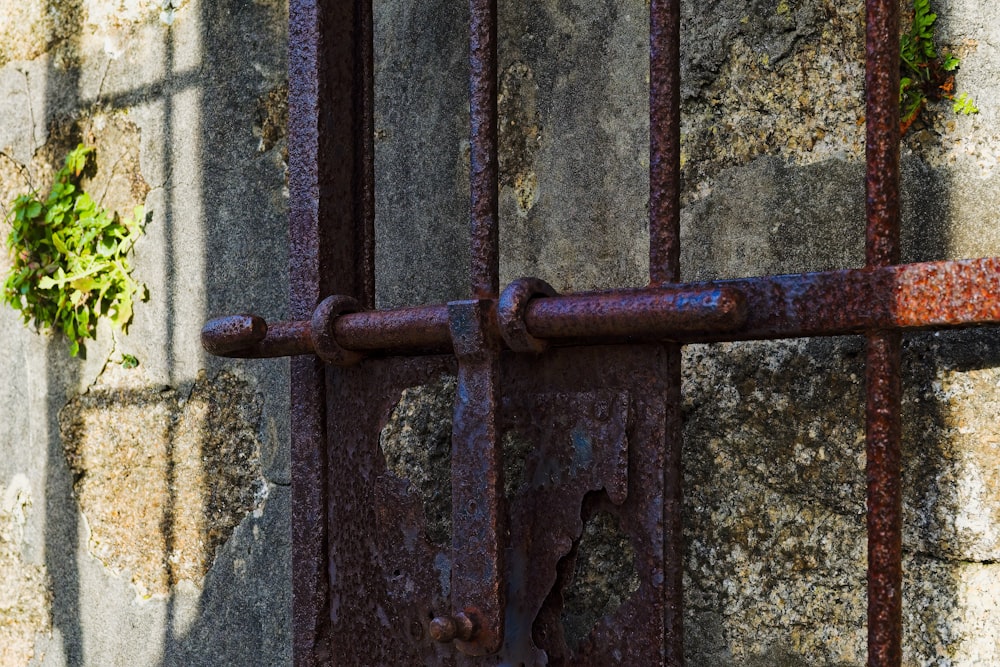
193	82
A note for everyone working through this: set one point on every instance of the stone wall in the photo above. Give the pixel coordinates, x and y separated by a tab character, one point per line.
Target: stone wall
144	515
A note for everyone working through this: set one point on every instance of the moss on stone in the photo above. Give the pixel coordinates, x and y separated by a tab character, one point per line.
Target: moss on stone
162	477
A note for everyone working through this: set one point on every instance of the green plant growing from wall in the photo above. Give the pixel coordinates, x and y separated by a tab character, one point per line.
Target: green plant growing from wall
70	258
926	75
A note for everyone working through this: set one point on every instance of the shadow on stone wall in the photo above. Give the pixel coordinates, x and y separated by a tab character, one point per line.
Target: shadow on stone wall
216	242
61	525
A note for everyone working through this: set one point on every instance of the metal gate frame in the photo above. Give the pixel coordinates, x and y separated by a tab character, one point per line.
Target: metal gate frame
360	596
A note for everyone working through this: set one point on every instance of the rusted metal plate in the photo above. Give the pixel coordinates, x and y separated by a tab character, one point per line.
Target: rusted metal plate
593	424
386	578
595	393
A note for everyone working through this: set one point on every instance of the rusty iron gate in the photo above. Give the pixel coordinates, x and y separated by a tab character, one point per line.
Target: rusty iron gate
591	380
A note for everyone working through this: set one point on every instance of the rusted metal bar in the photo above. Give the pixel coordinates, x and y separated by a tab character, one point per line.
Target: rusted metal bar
664	267
664	141
331	252
484	162
882	364
478	590
309	254
884	479
418	327
657	314
832	303
365	154
882	132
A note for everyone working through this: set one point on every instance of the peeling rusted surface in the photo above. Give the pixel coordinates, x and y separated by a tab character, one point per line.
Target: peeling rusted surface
577	410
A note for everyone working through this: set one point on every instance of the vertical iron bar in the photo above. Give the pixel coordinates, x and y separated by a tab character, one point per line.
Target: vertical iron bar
365	155
483	159
330	252
479	534
882	132
882	435
664	267
882	374
664	141
309	582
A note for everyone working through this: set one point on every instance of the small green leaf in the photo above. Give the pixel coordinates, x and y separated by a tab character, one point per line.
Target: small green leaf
964	105
59	244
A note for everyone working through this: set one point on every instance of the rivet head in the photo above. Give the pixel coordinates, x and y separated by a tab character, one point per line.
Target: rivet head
448	628
443	629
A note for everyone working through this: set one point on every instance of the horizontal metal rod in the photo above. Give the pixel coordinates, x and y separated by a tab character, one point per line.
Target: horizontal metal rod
912	296
659	313
414	328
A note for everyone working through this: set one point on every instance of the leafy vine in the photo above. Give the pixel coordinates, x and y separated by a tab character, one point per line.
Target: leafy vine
70	258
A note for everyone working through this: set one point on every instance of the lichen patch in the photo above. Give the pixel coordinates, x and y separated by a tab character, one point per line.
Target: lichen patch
520	133
271	117
25	599
806	105
30	28
163	478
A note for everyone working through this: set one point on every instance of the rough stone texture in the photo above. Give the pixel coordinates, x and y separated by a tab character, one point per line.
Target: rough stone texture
168	94
603	577
163	478
776	78
416	442
24	594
